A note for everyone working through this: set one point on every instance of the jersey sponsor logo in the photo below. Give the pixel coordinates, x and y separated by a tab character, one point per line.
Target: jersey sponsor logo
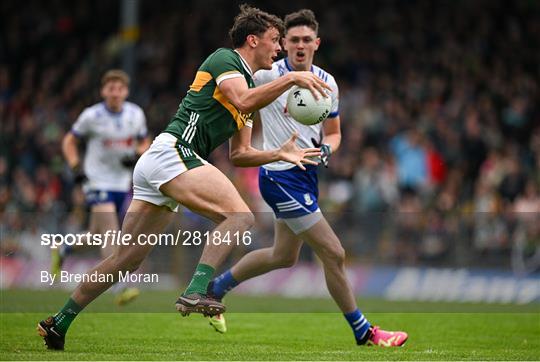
307	199
125	142
189	131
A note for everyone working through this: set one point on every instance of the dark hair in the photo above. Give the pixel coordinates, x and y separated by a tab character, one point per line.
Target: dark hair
115	74
302	17
252	21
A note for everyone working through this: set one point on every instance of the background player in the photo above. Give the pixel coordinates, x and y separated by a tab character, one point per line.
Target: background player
116	135
174	170
292	193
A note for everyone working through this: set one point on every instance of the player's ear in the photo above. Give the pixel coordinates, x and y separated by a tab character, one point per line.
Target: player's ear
317	43
252	40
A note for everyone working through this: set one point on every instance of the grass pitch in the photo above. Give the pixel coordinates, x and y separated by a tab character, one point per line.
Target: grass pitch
264	329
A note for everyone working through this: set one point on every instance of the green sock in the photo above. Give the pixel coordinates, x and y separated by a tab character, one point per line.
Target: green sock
202	276
66	315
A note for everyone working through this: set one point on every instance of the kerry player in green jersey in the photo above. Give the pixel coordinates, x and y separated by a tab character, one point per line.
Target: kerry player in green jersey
174	170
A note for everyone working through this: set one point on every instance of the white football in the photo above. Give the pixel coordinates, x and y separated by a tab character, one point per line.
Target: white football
303	107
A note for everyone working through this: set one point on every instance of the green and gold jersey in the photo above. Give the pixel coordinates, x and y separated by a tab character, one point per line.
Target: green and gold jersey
205	118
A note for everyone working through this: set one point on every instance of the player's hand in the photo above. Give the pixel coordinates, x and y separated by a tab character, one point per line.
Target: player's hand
326	151
129	161
290	152
310	81
79	176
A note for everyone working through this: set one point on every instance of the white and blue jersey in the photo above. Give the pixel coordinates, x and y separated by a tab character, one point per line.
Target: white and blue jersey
109	137
278	125
290	191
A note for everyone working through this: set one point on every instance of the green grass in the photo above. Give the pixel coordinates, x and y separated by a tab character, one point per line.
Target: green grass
313	333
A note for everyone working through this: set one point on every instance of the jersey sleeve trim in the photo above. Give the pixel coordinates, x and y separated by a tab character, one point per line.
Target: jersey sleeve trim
201	79
333	114
228	75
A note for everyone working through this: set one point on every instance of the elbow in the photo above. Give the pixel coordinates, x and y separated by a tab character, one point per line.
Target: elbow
236	158
245	106
237	163
239	157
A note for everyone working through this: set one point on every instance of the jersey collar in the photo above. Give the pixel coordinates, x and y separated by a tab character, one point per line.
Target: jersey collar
244	63
110	111
289	68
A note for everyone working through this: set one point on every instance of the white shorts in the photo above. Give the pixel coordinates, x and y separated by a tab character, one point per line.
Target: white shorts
302	223
163	161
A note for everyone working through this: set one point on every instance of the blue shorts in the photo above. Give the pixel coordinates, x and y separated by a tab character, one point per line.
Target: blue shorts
118	198
290	193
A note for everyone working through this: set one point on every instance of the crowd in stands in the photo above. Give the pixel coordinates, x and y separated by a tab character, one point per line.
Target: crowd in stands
439	101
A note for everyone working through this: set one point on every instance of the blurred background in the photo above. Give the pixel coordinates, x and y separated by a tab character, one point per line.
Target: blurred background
436	182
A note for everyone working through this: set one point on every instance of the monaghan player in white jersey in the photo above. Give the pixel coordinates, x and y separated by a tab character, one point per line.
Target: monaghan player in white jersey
292	192
116	135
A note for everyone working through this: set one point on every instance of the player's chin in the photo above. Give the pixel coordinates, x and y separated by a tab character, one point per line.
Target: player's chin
268	65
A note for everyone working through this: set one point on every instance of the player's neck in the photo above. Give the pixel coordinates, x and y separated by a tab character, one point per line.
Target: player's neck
249	58
113	108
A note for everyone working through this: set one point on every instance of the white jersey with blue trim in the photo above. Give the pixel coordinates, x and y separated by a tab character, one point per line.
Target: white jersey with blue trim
278	125
109	137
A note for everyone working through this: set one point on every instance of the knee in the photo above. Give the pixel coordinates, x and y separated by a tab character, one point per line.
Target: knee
335	255
248	219
244	220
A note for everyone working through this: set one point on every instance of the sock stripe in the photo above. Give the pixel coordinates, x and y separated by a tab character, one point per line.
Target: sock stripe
358	321
361	325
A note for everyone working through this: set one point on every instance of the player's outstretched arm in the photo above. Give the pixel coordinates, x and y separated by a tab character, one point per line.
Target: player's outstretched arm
242	154
248	100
